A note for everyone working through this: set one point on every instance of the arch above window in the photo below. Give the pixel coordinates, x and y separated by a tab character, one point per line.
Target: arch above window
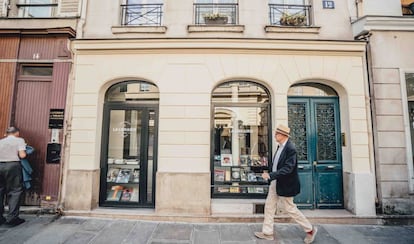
240	92
132	91
312	89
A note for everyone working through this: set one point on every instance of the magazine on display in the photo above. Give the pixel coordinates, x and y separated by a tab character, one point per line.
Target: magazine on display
123	176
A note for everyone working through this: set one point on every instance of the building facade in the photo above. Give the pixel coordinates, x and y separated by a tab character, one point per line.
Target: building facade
388	26
35	63
174	105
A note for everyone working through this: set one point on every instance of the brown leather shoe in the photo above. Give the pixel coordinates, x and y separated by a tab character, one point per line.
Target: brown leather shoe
262	235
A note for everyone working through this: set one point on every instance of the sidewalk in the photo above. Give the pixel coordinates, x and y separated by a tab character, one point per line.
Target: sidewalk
51	229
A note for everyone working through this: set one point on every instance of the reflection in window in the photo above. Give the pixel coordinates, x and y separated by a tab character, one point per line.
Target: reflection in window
132	91
37	8
45	71
311	89
241	139
409	77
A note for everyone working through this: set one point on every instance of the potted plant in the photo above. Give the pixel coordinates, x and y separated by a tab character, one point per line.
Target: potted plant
215	19
292	19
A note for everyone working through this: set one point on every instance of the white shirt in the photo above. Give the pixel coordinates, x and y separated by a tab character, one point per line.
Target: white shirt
277	155
10	147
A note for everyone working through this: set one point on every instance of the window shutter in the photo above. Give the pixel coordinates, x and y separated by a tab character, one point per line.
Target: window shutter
69	7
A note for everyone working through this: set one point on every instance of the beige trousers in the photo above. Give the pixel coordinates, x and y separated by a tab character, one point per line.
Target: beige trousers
271	204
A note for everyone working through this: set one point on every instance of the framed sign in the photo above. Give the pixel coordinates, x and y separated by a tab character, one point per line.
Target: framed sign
56	118
328	4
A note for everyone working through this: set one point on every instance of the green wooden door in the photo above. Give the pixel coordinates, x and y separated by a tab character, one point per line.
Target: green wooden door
315	129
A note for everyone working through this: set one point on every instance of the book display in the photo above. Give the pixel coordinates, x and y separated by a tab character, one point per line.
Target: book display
122	180
239	172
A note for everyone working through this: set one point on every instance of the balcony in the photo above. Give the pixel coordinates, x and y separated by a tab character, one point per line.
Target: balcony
216	14
290	15
141	15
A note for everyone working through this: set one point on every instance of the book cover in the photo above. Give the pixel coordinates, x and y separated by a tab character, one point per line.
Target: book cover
114	194
126	194
235	174
223	189
226	160
112	174
228	175
134	195
219	174
123	176
135	176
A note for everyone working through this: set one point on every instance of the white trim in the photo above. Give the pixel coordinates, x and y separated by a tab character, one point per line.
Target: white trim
409	152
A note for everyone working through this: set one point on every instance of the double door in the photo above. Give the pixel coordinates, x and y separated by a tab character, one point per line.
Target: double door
315	130
128	164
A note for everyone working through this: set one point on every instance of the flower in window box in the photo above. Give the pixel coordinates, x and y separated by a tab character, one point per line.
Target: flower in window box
215	18
292	19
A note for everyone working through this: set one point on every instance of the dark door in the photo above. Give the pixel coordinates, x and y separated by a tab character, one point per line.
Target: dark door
128	162
315	129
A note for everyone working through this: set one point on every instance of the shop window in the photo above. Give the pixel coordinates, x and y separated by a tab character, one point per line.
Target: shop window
132	91
241	139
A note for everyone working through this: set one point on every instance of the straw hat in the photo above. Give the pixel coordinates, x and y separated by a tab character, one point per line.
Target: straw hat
284	130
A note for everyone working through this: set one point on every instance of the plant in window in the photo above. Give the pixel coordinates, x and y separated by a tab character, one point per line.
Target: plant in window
215	18
292	19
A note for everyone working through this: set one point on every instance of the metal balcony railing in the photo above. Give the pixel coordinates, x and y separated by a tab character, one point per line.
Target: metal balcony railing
220	13
37	10
290	15
142	14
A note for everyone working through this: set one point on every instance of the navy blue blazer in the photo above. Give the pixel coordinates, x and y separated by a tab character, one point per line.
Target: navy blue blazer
286	175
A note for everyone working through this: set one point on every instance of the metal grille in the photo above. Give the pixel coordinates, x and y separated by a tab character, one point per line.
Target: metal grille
142	14
202	11
290	14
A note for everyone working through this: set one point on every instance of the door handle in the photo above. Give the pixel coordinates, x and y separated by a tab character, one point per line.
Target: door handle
301	167
315	163
330	167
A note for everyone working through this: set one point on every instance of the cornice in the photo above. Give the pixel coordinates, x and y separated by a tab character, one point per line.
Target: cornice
382	23
81	45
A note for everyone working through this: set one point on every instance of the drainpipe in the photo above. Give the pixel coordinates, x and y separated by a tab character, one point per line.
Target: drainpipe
375	167
82	20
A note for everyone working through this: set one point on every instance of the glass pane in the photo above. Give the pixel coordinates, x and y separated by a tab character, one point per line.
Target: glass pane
132	91
123	160
311	89
325	119
297	123
37	70
151	139
240	149
240	92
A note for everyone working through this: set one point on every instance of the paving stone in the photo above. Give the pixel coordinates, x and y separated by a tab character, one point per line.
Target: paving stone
172	231
54	233
71	221
235	232
80	237
94	224
205	235
25	231
141	232
116	232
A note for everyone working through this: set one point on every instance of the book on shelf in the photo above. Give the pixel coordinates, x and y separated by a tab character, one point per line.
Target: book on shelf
126	194
114	193
123	176
223	189
251	177
234	189
219	174
235	174
135	194
226	159
112	174
135	176
228	175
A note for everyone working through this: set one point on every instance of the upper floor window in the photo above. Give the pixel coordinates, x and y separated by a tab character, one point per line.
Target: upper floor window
216	12
290	12
142	12
37	8
407	7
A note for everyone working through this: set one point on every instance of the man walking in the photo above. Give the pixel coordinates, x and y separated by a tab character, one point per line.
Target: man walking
12	149
283	187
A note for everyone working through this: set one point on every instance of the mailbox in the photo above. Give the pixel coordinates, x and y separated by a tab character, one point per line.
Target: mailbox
53	153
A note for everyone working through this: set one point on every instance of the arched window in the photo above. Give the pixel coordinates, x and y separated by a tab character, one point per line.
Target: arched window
312	89
241	139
